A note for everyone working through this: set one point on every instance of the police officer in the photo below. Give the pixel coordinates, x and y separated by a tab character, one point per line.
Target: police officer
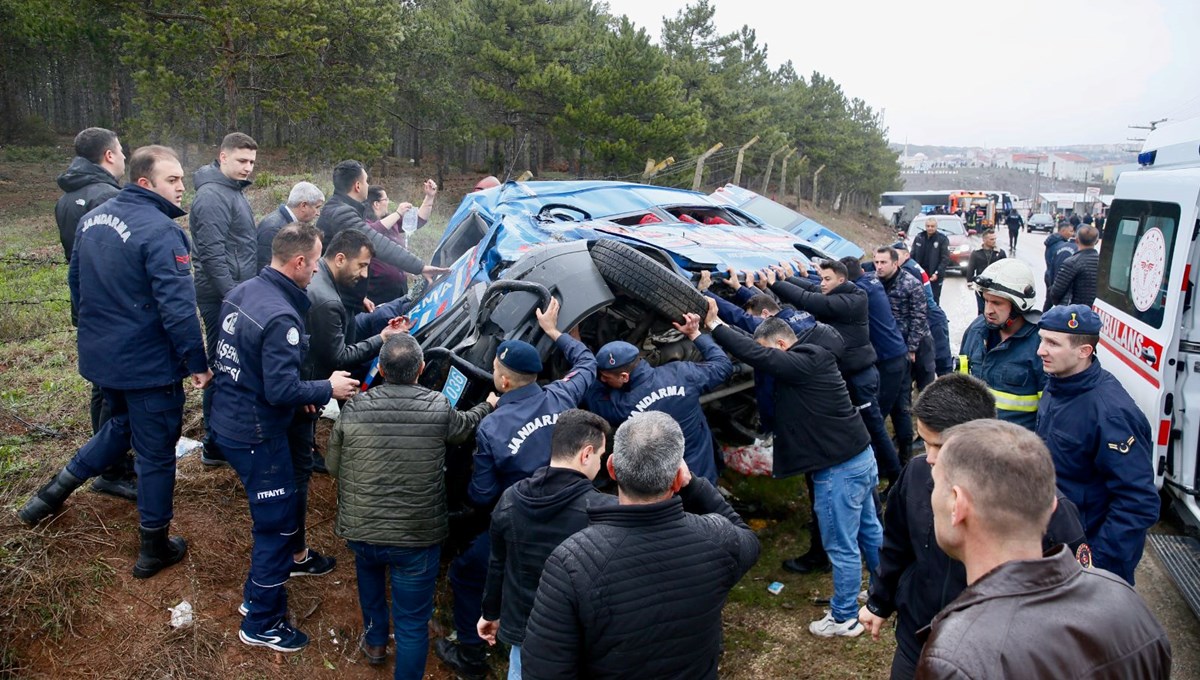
256	390
1099	439
511	443
131	280
628	385
1001	347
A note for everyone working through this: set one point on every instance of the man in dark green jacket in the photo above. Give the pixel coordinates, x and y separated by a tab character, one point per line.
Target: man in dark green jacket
387	451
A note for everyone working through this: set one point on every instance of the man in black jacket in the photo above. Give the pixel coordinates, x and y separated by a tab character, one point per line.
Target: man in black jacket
931	250
532	518
639	592
916	579
823	435
226	243
93	177
981	259
1075	282
344	210
843	305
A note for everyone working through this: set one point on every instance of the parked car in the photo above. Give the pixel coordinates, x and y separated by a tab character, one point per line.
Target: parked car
962	240
1040	222
621	258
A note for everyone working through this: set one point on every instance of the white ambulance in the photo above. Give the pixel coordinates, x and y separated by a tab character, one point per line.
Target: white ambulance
1146	295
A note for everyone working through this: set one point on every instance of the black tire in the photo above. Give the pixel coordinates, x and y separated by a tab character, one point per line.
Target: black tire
642	278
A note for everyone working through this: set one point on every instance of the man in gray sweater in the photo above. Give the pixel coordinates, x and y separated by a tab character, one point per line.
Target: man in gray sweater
387	451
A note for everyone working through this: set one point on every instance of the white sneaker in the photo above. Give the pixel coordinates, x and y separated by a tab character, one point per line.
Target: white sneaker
828	627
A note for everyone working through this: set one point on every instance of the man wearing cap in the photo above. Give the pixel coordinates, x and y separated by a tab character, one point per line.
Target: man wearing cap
628	385
512	442
1099	439
1001	347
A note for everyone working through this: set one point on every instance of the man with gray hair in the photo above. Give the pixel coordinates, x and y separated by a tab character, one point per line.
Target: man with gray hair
388	453
303	205
993	495
656	567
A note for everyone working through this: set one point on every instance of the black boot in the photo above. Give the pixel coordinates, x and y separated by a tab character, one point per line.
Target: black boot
159	551
50	498
122	484
815	559
467	661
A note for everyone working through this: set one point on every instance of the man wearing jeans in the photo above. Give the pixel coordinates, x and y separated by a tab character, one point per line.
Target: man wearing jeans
823	435
388	452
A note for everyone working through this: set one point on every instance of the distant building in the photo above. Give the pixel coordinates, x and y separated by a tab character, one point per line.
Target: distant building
1071	166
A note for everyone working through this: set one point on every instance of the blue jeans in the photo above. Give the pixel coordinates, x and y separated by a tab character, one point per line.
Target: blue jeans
149	421
850	529
266	473
413	574
514	663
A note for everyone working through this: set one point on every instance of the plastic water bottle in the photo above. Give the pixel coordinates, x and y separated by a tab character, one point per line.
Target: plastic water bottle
409	221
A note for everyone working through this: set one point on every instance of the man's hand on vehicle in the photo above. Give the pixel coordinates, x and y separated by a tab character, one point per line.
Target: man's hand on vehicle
690	326
712	319
343	385
430	272
733	279
705	281
493	399
548	319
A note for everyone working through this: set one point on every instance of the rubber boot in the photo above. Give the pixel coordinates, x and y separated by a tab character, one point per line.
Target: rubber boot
159	551
50	498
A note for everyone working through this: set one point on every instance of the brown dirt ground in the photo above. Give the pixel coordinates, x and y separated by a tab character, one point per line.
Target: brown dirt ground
69	606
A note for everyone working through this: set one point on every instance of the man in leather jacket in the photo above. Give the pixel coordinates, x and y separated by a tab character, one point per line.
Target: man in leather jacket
1025	613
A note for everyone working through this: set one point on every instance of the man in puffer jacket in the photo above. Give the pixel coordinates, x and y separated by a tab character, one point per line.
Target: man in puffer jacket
226	242
639	592
532	518
387	451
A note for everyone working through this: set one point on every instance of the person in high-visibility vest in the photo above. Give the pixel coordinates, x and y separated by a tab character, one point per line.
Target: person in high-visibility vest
1000	347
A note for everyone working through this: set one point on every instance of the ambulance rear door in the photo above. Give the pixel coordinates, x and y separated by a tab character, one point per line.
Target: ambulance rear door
1148	268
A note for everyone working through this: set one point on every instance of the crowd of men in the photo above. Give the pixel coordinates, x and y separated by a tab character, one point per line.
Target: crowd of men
1026	512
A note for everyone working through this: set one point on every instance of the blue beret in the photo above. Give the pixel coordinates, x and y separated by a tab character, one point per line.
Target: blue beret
1076	319
900	245
615	354
519	356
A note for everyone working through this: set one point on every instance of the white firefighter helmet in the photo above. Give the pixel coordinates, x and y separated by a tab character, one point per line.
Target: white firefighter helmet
1011	279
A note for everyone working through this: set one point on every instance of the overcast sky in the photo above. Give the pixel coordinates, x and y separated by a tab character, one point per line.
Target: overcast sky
1065	72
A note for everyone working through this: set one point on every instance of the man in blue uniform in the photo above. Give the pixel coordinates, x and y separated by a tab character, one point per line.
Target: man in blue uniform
1001	346
1099	439
255	393
628	385
512	442
131	280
